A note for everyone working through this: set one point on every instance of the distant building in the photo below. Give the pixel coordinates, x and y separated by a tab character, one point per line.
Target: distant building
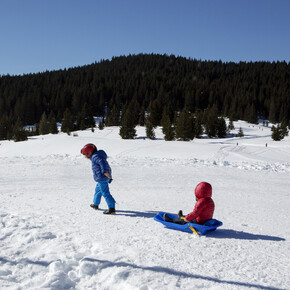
30	128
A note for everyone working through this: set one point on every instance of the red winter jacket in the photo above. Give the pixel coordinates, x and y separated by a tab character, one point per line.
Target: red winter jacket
204	207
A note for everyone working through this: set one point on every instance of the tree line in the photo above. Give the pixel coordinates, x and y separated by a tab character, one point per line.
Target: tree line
156	87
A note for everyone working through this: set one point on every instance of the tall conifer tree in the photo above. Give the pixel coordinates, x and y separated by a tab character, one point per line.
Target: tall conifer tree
185	126
52	124
113	118
167	127
43	125
129	122
149	129
211	121
198	130
19	134
221	128
67	122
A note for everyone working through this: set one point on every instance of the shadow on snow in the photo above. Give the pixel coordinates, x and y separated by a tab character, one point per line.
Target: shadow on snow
131	213
106	264
25	261
218	234
231	234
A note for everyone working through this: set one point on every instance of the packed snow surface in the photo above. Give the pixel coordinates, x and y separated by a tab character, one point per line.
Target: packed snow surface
51	238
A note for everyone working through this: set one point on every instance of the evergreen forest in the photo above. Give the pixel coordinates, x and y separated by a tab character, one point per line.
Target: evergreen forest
147	89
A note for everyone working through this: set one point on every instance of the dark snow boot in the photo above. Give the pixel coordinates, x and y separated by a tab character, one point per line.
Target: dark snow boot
110	211
94	206
176	220
167	218
180	214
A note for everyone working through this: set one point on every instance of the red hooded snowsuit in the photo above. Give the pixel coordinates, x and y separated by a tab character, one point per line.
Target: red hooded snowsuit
204	207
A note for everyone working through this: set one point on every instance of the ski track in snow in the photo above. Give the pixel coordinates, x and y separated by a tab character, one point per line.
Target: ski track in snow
51	238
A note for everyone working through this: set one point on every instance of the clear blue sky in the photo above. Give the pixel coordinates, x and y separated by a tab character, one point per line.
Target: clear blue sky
40	35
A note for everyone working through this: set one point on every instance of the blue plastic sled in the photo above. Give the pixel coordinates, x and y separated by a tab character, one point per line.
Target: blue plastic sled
210	225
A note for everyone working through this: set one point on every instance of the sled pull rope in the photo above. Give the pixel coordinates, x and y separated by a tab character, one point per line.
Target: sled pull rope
192	228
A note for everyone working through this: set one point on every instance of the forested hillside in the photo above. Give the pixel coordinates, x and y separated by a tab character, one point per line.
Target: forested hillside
242	90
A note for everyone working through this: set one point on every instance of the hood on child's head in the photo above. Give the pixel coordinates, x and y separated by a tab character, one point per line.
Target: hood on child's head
102	154
203	189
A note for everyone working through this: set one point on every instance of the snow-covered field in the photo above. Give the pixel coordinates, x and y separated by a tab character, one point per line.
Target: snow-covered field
51	238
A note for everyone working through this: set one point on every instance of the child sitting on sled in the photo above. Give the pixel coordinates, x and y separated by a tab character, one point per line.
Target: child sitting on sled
203	209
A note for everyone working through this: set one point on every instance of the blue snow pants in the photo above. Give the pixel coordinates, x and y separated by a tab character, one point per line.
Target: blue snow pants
102	189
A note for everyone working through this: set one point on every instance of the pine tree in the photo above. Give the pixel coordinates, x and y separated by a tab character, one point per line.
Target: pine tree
221	128
19	134
276	133
101	124
87	119
231	126
198	125
129	122
113	118
67	122
5	127
167	128
52	124
149	129
80	124
279	132
284	128
155	112
240	133
141	120
211	122
43	125
184	126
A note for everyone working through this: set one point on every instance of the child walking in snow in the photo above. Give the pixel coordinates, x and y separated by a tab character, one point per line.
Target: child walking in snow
102	175
203	209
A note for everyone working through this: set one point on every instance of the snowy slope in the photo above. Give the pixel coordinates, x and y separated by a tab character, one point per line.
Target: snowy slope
51	238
